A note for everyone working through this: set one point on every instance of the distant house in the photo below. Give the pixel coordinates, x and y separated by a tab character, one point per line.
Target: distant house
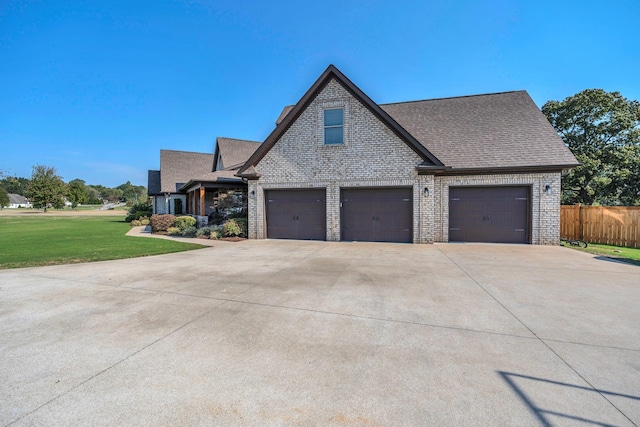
18	201
190	183
339	167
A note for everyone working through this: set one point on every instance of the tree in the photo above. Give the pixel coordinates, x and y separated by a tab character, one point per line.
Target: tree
602	129
112	195
77	192
4	198
133	193
46	188
14	185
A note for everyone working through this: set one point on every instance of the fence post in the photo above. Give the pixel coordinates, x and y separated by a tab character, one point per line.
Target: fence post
580	224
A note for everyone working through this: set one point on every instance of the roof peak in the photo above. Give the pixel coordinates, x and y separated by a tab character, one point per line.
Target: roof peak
332	73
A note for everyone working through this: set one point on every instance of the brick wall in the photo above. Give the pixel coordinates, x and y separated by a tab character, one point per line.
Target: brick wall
373	156
545	209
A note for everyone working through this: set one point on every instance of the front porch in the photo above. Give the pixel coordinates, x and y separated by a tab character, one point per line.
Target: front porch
215	201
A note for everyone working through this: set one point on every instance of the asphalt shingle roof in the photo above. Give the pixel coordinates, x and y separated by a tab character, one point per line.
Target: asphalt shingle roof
17	199
483	131
217	176
153	183
235	152
284	113
178	167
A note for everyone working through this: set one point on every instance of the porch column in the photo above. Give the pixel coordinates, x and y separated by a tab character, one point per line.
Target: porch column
201	200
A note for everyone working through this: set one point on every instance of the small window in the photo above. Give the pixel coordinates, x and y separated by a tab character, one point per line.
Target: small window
333	126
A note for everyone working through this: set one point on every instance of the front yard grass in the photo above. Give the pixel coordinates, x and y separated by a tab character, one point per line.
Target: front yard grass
29	241
630	255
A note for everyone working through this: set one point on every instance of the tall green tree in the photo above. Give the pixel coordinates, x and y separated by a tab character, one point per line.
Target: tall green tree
46	188
4	198
77	192
602	129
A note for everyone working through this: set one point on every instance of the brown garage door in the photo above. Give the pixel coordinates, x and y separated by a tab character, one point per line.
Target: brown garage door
377	214
489	214
296	214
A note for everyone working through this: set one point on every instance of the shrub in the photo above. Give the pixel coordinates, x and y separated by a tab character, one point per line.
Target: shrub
188	232
216	218
204	231
231	229
139	207
243	223
138	215
135	223
139	210
144	220
173	231
184	222
161	223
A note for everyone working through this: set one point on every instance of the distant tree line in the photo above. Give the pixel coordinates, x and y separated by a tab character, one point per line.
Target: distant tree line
46	189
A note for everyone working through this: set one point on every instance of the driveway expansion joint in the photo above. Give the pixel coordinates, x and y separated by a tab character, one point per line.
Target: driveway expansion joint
98	374
536	336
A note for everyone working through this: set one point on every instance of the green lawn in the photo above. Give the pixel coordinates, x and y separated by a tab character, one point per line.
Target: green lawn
629	255
47	240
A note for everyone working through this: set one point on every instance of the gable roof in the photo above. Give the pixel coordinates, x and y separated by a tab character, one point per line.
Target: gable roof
153	183
234	152
17	199
332	73
484	131
177	168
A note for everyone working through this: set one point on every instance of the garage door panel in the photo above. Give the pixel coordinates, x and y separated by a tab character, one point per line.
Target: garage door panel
377	214
489	214
296	214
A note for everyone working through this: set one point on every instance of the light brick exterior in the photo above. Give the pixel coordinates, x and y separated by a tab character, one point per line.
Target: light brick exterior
373	156
545	208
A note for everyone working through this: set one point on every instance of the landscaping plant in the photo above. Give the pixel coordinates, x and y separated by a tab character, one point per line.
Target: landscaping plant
161	223
184	222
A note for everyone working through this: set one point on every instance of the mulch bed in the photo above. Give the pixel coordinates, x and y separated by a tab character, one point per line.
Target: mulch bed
232	239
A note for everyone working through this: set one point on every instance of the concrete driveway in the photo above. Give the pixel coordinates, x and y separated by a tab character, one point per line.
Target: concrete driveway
317	333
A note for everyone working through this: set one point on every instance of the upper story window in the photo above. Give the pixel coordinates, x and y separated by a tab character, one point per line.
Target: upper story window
334	126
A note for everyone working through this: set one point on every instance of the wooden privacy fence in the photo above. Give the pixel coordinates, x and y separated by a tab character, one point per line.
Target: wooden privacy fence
609	225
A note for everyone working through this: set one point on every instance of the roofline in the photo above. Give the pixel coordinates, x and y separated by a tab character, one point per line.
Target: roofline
455	97
216	152
495	170
333	73
216	181
186	152
237	139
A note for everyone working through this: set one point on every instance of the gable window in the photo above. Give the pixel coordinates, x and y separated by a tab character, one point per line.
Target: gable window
333	126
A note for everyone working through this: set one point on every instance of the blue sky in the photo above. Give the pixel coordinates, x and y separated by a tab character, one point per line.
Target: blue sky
97	88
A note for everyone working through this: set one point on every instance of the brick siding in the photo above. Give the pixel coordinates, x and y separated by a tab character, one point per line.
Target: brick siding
373	156
545	209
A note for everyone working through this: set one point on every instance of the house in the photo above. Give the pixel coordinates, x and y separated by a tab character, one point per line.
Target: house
340	167
18	201
191	183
